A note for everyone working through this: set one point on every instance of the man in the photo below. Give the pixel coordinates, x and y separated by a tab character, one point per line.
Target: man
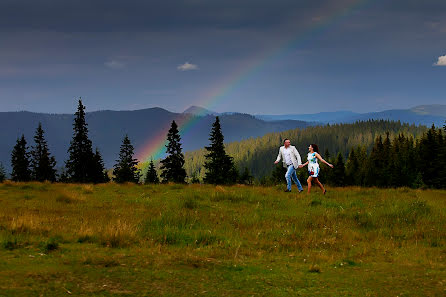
291	160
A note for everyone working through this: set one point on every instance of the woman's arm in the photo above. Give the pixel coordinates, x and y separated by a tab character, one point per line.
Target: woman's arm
323	161
303	165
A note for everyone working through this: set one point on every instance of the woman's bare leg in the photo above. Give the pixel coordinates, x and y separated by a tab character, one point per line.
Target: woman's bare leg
320	185
309	183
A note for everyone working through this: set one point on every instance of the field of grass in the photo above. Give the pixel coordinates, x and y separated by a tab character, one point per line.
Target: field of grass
187	240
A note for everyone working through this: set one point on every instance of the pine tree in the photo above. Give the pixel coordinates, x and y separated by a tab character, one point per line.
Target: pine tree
376	164
220	168
152	175
428	154
327	174
2	173
386	161
20	161
98	172
126	170
351	168
79	165
173	165
42	163
339	171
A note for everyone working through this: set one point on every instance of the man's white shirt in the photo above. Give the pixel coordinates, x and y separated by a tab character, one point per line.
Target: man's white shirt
287	155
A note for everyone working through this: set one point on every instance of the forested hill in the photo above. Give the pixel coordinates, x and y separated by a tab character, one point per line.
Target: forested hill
258	154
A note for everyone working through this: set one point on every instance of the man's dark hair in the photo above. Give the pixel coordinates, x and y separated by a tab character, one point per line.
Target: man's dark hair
285	140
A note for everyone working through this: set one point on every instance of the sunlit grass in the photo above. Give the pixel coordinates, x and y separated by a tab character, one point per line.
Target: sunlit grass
191	239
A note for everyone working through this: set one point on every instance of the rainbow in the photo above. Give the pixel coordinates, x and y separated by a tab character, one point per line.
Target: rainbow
154	148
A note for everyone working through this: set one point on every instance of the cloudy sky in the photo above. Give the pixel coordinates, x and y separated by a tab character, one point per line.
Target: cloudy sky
254	56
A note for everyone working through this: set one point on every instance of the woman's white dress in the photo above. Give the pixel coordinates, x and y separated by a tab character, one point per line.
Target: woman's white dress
313	165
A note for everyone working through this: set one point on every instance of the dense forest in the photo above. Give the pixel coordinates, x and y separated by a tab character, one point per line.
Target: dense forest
258	154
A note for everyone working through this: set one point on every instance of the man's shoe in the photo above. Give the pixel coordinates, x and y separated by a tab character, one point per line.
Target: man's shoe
287	190
301	190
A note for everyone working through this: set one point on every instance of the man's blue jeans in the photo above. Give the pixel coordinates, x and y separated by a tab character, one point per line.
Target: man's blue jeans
291	174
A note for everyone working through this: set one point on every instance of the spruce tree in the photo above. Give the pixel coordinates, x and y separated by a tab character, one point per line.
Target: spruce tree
428	154
173	165
79	165
220	168
42	163
152	175
2	173
339	171
376	164
125	170
98	172
351	168
327	175
20	161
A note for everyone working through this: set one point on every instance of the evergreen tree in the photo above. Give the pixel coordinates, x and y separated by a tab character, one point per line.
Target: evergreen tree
20	161
2	173
79	165
173	165
429	151
246	177
361	155
42	163
376	164
152	175
386	157
327	174
98	172
352	168
339	171
220	168
126	170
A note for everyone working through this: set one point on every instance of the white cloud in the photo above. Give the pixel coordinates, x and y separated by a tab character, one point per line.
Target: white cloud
441	61
187	66
114	64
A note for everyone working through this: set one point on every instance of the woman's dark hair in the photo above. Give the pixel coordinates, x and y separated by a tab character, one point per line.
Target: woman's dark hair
315	148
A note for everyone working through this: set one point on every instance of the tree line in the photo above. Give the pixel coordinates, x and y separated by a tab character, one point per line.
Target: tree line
371	153
401	161
85	165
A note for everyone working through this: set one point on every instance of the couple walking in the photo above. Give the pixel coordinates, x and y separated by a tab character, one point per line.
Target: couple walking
292	161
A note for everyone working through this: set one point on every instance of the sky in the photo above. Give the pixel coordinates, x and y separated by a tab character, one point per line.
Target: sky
251	56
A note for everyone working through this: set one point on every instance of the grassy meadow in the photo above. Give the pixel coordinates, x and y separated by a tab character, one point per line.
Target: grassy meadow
187	240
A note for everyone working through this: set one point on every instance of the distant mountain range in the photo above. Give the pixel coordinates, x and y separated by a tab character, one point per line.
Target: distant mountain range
107	129
419	115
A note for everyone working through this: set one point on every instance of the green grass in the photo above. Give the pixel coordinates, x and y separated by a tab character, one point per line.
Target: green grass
175	240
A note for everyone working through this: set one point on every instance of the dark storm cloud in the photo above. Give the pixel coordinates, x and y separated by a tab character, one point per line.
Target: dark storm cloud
113	15
54	51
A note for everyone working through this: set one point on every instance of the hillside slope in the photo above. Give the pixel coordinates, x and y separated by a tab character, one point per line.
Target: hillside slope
259	154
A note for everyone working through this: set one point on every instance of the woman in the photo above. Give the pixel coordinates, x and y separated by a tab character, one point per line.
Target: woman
313	166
